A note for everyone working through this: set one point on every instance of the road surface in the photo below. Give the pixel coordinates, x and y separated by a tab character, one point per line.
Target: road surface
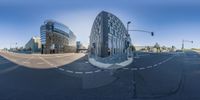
152	76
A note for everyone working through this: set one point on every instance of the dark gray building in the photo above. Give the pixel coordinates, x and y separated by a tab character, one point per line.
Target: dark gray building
108	37
57	38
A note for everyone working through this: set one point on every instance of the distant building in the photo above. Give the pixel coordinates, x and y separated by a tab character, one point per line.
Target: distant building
109	37
80	47
57	38
33	45
140	48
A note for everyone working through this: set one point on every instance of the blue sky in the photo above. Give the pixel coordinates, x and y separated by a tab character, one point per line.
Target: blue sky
171	20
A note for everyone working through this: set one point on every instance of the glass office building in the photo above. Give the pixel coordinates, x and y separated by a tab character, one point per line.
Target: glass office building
56	38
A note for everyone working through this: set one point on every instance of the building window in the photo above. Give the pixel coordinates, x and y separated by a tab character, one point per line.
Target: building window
111	24
108	51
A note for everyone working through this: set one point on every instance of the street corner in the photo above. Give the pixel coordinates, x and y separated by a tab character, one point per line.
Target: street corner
111	65
79	69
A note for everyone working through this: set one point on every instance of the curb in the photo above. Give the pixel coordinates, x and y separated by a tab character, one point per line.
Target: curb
110	66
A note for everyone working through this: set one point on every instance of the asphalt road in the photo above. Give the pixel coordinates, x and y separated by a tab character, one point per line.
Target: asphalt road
162	76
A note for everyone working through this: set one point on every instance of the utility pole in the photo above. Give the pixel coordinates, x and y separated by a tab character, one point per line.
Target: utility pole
183	41
133	82
134	78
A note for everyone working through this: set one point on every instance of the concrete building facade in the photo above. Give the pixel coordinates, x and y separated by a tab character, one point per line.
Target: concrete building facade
109	37
34	44
57	38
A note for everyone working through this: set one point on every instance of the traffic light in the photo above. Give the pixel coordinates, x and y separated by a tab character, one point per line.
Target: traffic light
152	33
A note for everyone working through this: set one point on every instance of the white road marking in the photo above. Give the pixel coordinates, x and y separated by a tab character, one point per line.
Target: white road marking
9	69
3	59
40	63
125	68
160	63
142	68
155	65
134	68
78	72
5	62
164	61
25	62
55	66
97	71
61	69
89	72
86	62
46	61
14	60
69	71
149	66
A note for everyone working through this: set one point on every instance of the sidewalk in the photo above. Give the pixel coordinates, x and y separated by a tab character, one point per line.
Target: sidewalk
110	66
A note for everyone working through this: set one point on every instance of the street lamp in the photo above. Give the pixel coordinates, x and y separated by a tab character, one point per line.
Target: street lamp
151	33
183	41
134	81
129	22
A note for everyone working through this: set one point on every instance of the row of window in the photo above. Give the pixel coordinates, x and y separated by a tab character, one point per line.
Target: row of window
115	51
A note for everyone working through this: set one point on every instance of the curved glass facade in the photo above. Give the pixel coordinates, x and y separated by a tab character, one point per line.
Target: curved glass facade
57	38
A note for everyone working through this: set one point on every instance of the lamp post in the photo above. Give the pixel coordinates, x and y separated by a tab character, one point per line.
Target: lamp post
134	78
151	33
129	41
183	41
129	22
144	31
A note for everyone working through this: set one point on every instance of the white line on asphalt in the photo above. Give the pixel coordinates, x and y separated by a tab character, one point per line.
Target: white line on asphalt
9	69
14	60
165	61
97	70
89	72
25	62
40	63
155	65
160	63
69	71
142	68
5	62
134	68
125	68
3	59
78	72
61	69
55	66
149	66
46	61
